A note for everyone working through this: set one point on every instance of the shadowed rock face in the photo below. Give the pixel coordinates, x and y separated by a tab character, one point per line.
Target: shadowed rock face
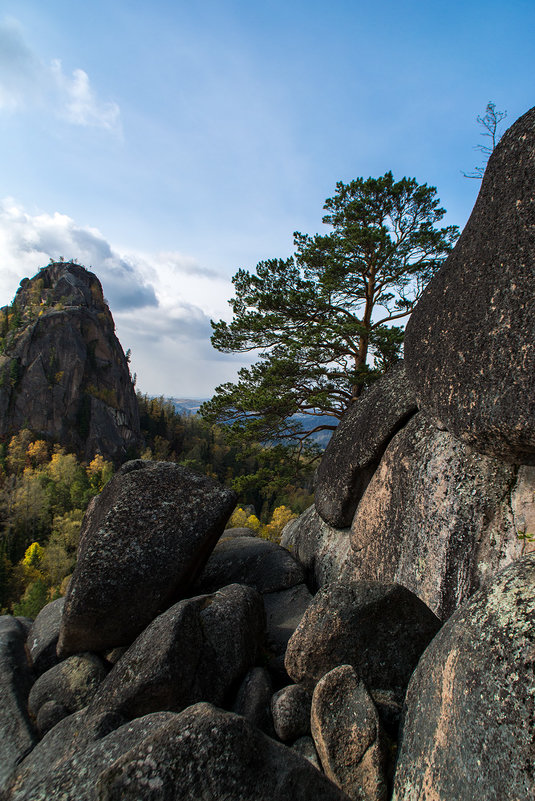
468	729
195	651
17	733
63	373
379	629
142	544
356	447
249	560
469	344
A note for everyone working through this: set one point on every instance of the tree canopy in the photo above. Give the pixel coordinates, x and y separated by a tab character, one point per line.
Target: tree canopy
324	322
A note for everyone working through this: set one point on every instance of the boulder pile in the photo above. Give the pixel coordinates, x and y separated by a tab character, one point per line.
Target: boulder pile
385	651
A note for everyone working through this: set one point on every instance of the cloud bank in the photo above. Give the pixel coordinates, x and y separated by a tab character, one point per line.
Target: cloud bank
161	303
28	242
27	82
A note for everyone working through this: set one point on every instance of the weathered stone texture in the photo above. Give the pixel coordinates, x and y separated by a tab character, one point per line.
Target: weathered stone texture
469	344
151	530
470	706
205	753
324	552
356	447
379	629
437	517
17	733
253	561
348	737
193	652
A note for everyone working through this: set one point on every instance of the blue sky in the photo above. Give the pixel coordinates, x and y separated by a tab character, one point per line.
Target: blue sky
167	144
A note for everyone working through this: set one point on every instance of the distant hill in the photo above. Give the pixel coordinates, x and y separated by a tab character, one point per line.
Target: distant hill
192	406
187	405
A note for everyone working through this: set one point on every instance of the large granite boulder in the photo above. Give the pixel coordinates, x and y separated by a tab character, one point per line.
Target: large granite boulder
469	344
348	737
205	753
67	762
151	529
195	651
17	733
469	721
356	447
379	629
237	531
323	551
248	560
439	518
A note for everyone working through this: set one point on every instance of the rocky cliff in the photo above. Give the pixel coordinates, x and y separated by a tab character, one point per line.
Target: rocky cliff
63	373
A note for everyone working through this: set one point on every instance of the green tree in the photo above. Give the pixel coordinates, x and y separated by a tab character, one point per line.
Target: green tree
17	452
324	322
99	472
30	510
68	486
35	597
273	530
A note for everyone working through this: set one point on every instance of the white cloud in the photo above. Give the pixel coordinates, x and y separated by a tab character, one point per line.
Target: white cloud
28	242
27	82
78	103
161	303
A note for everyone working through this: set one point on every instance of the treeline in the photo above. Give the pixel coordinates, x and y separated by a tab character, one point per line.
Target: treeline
262	476
44	492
